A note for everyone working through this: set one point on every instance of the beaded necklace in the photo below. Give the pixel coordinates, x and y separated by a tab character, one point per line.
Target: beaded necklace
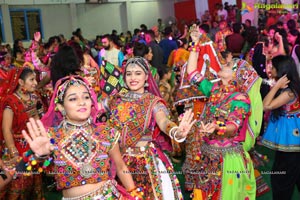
27	102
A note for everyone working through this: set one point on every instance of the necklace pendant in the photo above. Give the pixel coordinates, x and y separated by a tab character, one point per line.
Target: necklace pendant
86	170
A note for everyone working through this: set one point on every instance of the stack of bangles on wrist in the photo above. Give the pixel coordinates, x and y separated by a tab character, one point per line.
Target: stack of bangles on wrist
13	152
172	130
33	161
194	46
222	128
195	77
136	193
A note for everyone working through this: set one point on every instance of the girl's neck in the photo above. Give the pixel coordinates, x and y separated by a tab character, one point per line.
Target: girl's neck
23	94
67	124
165	80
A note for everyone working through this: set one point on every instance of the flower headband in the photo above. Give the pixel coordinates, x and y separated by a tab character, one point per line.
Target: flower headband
72	81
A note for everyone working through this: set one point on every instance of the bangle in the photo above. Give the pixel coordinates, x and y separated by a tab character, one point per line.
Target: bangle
42	157
172	131
178	140
170	128
13	152
222	128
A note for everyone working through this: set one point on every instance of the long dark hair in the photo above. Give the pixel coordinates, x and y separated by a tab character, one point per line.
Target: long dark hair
285	65
64	63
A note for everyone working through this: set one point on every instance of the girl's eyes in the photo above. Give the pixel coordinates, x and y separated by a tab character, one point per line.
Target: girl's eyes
74	99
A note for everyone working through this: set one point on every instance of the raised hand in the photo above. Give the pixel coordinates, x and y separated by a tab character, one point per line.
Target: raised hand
37	36
282	82
186	123
208	128
38	140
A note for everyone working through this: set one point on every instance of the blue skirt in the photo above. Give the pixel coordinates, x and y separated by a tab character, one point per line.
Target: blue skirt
283	134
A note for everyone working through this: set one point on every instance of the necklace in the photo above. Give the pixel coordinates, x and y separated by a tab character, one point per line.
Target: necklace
132	96
27	102
81	146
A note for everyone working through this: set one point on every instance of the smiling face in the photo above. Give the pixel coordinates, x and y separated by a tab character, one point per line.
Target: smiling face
29	84
77	104
135	78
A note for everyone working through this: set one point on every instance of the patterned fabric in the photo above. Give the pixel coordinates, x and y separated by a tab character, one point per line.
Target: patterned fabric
111	79
283	134
135	114
22	112
132	114
216	168
143	165
246	76
67	169
23	188
186	92
209	59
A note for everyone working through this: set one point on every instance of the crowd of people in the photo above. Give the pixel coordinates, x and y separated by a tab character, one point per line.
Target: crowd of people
107	119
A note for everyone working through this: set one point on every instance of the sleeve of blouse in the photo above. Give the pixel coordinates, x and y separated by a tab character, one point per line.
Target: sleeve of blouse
38	65
160	107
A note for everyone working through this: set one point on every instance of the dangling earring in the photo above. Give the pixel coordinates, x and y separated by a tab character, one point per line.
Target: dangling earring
23	90
146	84
63	112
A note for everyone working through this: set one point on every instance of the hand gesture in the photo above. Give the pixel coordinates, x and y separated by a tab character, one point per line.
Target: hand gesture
208	128
277	36
282	82
195	33
38	140
37	36
186	123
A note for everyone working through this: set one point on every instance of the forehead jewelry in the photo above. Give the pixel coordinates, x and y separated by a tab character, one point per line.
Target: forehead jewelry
63	87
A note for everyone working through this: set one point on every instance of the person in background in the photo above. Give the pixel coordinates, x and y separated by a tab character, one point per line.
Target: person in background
235	41
19	103
227	129
282	133
109	52
157	51
220	36
167	44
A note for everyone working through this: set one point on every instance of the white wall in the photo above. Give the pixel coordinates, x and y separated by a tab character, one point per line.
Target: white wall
95	19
